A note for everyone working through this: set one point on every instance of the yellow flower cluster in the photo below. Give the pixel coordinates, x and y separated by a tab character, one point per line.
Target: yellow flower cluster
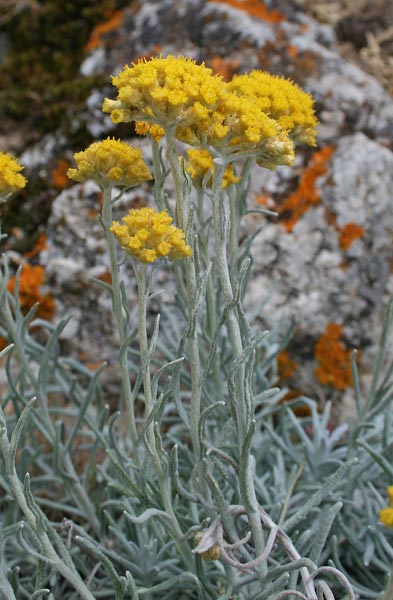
10	178
282	100
239	126
163	91
149	235
257	114
386	514
200	162
110	163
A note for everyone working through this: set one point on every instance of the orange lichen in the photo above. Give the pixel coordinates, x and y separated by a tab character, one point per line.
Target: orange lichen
263	200
334	358
306	195
255	8
106	277
39	246
286	366
59	174
222	66
114	21
348	234
293	51
32	278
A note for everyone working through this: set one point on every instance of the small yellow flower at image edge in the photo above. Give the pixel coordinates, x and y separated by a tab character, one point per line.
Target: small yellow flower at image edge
149	235
386	514
110	163
10	178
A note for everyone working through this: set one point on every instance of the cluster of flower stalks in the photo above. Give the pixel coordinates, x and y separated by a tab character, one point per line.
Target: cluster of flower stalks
202	484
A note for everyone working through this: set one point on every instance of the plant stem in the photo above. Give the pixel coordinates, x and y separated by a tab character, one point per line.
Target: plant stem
220	220
211	292
140	274
164	482
192	334
243	416
159	175
118	312
178	182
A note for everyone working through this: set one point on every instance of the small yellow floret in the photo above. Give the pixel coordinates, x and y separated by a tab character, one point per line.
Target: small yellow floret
155	131
200	162
10	178
282	100
109	163
386	516
149	235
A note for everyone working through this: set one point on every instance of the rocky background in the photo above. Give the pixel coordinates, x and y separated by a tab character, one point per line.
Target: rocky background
325	263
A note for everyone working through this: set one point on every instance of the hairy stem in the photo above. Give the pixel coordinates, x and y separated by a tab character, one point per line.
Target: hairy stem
163	481
119	315
243	416
192	333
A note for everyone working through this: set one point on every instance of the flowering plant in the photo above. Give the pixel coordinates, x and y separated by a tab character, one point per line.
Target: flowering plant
207	487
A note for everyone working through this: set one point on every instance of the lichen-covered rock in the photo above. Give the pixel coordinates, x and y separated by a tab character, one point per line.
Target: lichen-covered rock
320	275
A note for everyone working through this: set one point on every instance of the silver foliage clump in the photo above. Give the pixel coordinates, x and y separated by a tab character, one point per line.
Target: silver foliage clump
319	491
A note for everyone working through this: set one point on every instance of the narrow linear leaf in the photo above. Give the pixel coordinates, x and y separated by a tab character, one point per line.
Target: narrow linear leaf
6	591
326	522
6	350
39	593
105	286
174	469
92	548
379	459
320	495
15	437
145	516
84	406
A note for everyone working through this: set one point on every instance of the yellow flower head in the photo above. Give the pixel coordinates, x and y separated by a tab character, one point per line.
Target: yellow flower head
238	125
149	235
165	91
390	494
282	100
110	163
10	178
200	162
